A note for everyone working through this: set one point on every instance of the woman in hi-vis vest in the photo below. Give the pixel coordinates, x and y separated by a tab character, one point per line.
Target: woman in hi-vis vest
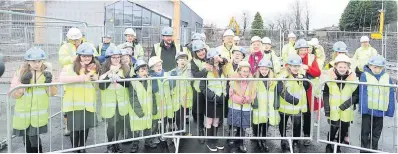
79	100
292	100
114	97
30	113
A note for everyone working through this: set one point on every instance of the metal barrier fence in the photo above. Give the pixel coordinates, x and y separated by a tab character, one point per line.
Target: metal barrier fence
232	131
21	31
362	126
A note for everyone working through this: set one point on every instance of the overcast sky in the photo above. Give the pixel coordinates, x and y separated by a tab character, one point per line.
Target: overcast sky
323	13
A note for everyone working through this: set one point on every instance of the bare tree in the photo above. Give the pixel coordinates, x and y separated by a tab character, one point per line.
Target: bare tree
297	13
245	21
306	17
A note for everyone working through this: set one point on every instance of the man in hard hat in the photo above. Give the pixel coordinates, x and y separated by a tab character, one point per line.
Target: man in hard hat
236	40
289	48
167	49
312	71
318	51
363	54
270	54
101	48
228	44
131	37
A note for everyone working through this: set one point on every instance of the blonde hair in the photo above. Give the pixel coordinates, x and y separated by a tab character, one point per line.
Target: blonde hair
25	68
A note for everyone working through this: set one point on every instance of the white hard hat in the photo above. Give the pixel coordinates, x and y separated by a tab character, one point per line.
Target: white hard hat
266	40
203	35
314	41
301	43
364	39
243	64
154	60
228	32
255	38
129	31
342	58
74	34
236	38
291	35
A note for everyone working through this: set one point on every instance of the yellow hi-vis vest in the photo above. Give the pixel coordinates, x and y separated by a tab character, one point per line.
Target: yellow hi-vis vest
225	53
158	50
31	108
338	97
296	89
266	112
65	54
236	106
182	93
218	87
115	95
378	96
145	99
200	65
163	95
79	96
287	50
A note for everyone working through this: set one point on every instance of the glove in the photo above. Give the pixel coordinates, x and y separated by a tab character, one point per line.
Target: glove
49	77
345	105
26	78
255	104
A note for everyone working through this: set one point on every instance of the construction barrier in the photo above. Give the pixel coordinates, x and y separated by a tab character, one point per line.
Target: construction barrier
382	138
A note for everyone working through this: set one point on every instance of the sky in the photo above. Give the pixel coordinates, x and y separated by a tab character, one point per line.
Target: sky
323	13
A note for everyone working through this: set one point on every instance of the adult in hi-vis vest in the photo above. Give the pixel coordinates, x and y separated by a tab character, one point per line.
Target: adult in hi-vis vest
215	92
270	54
376	102
241	98
228	43
30	117
102	47
363	54
289	47
167	49
161	95
79	100
264	110
143	107
115	102
199	69
135	49
312	72
339	101
317	50
292	100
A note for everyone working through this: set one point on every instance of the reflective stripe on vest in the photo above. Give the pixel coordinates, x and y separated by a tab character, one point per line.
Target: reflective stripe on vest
218	87
158	49
115	94
31	108
236	106
378	96
145	99
200	65
295	89
337	97
265	112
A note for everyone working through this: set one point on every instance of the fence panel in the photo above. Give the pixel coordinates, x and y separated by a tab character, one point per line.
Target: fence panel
229	126
384	128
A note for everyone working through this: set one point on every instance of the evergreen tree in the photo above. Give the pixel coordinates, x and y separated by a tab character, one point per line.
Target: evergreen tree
257	26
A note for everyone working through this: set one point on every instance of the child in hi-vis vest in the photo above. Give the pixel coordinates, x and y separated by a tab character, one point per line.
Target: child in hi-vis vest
375	101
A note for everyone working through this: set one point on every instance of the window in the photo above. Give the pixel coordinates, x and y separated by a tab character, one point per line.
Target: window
128	14
109	14
146	17
118	13
155	20
165	22
137	13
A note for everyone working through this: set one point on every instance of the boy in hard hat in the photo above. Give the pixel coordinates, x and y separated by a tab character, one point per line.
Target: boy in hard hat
236	40
339	100
292	100
256	53
264	111
143	107
137	49
375	101
289	48
317	50
162	96
32	100
270	54
228	43
241	94
363	54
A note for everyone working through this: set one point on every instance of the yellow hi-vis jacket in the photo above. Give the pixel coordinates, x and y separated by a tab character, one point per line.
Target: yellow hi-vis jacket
378	96
362	56
287	50
338	96
163	97
200	65
115	95
145	100
296	89
225	53
266	112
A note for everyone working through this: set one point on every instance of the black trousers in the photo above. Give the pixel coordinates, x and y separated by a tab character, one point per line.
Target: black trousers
118	126
79	138
307	123
295	119
29	141
260	130
341	128
237	132
371	131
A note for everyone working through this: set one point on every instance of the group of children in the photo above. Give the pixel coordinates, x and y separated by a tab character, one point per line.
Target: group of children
134	106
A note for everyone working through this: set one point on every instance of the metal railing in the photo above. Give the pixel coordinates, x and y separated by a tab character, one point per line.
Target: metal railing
357	127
